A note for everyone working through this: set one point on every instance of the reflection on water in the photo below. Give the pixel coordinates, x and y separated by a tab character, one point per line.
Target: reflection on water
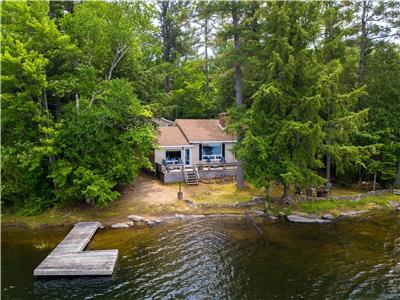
221	259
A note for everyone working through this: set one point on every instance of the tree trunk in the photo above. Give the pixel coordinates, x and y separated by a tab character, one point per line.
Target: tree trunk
397	181
167	84
166	36
51	9
46	104
363	43
328	168
206	55
238	85
57	108
77	102
70	7
374	186
286	195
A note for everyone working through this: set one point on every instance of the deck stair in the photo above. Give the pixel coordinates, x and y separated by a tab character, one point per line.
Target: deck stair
191	177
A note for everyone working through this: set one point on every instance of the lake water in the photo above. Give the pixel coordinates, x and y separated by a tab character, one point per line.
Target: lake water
211	258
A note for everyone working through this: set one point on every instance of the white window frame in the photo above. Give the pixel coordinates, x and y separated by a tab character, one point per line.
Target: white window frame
211	156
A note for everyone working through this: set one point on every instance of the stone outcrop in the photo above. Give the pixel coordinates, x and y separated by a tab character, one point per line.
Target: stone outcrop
306	218
136	218
259	213
252	202
300	219
352	213
328	216
122	225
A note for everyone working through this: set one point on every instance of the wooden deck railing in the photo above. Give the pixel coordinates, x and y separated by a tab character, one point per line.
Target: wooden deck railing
197	167
170	167
215	165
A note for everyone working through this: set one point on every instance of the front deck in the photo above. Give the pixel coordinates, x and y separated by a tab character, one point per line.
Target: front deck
175	172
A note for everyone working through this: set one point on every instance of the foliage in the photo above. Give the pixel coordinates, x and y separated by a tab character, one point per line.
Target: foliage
81	81
103	136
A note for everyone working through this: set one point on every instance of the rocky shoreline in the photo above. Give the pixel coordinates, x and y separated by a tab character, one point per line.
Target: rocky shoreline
293	216
255	207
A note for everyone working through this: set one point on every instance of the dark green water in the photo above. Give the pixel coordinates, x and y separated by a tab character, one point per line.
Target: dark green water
220	259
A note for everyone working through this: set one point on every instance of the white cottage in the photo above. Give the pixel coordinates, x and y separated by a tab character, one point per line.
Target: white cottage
192	149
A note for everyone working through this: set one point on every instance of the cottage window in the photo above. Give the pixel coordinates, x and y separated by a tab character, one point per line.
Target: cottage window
173	156
211	151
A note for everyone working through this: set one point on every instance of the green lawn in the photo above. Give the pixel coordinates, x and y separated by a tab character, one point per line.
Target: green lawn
336	206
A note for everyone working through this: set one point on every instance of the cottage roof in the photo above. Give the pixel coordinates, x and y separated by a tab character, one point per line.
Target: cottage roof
203	130
171	136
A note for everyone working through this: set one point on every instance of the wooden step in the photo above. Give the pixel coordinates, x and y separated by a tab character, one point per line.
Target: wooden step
190	177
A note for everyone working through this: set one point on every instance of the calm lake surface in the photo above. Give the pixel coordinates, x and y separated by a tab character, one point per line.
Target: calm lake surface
220	259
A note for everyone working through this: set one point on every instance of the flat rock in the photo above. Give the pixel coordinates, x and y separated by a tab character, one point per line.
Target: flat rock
122	225
302	214
394	203
181	216
352	213
156	220
271	217
258	213
136	218
150	223
328	216
197	216
300	219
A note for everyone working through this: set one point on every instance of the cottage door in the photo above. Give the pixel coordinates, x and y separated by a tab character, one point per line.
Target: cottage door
188	157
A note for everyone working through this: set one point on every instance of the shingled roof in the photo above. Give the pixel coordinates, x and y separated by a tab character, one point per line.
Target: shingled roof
187	131
171	136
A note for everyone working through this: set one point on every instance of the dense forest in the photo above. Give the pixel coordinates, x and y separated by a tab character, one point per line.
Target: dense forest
312	90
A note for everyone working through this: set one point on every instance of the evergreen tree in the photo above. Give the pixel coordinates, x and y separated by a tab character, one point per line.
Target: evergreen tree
283	134
383	100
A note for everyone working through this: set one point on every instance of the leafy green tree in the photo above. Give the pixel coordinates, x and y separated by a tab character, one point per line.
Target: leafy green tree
190	99
108	33
101	137
27	126
103	145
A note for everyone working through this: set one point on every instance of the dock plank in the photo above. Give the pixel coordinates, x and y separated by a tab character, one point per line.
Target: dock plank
69	259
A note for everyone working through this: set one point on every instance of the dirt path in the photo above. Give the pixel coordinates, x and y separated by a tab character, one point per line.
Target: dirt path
150	191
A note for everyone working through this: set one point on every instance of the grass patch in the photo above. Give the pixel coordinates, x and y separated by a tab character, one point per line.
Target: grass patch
226	193
336	206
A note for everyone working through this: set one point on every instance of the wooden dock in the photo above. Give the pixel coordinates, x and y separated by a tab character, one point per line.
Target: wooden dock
69	259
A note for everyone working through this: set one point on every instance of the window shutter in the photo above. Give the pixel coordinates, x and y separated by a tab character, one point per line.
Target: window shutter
223	150
200	154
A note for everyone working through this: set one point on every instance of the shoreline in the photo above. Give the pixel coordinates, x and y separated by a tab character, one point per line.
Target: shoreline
149	220
149	198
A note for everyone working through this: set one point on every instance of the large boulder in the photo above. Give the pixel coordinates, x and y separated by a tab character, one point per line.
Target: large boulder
394	203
